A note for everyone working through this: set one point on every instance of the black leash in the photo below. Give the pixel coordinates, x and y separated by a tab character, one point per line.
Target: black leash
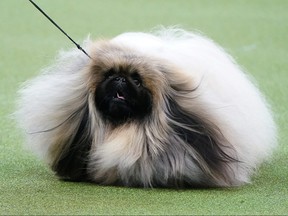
77	45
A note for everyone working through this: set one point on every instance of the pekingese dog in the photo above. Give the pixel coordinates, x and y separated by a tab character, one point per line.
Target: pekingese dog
166	109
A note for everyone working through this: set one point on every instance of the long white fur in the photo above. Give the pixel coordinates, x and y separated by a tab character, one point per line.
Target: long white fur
225	96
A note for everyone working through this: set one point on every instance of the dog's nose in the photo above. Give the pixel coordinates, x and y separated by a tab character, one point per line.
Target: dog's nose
120	79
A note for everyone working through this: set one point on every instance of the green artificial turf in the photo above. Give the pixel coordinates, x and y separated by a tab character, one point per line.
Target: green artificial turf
255	32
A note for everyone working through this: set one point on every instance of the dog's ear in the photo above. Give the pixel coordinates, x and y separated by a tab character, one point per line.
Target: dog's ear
204	139
72	161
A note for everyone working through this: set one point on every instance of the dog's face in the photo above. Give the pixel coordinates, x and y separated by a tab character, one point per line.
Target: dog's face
121	96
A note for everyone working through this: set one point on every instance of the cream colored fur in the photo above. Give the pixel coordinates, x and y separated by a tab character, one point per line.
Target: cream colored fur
224	96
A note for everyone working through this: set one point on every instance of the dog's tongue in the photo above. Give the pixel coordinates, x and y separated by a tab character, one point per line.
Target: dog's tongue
119	96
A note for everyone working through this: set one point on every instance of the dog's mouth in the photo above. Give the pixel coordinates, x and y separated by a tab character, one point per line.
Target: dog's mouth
119	95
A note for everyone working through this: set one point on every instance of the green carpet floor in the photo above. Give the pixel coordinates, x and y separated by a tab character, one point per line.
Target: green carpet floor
255	32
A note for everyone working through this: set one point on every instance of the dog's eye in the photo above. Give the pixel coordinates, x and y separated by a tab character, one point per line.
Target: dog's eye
137	82
109	74
136	79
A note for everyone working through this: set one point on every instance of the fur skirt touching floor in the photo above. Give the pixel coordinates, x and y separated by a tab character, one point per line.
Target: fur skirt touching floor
164	109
